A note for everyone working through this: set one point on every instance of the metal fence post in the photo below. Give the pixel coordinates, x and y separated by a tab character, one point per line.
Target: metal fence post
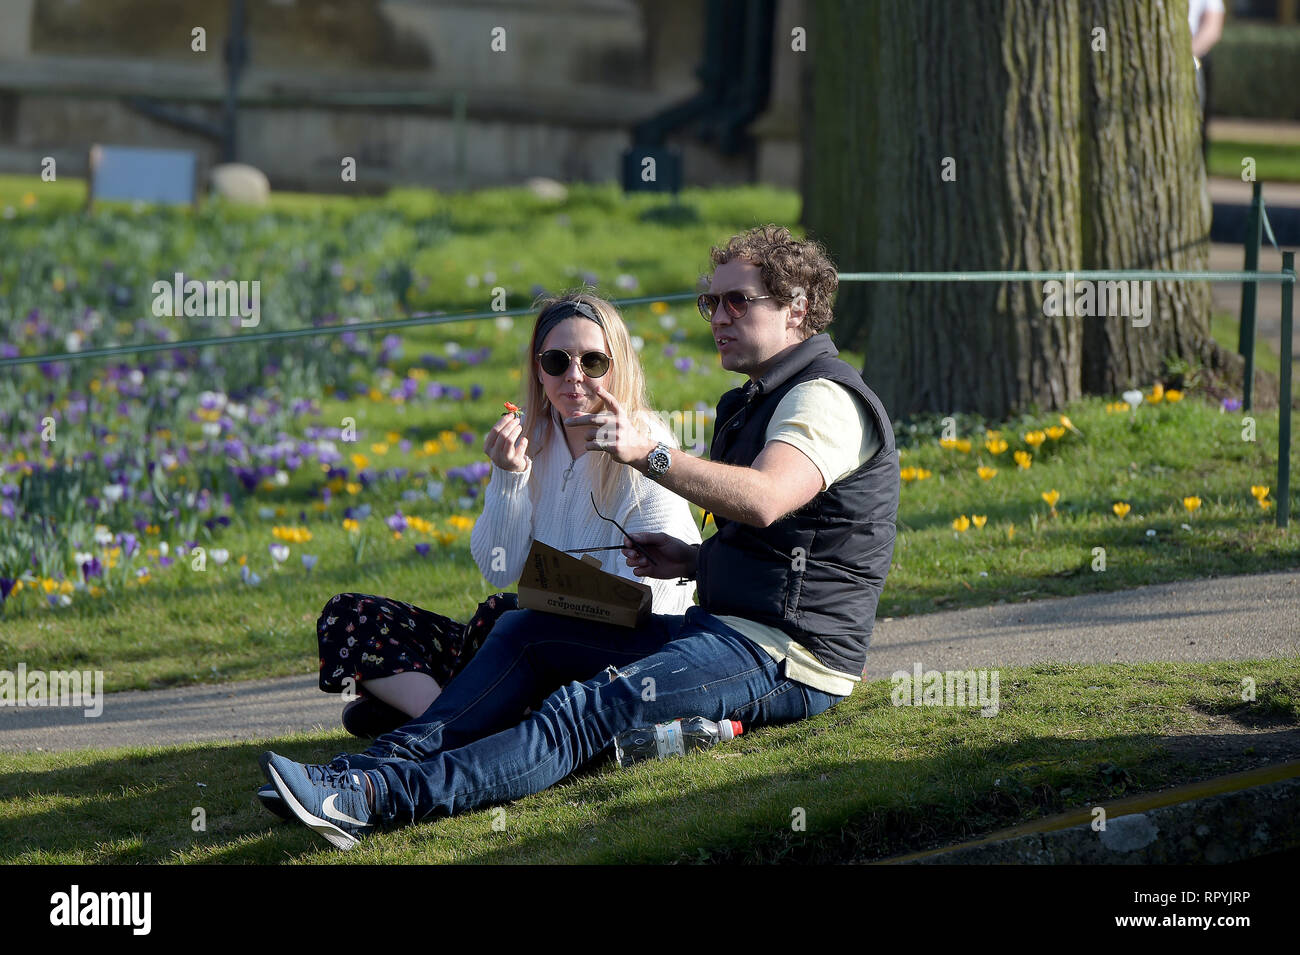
1284	398
1246	329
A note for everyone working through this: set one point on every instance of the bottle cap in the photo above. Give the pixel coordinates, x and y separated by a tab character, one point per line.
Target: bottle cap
730	729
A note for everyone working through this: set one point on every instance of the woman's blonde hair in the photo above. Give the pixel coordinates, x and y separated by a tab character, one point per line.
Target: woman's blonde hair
624	380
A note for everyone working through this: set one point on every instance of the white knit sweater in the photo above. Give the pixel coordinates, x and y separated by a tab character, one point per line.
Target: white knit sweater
542	503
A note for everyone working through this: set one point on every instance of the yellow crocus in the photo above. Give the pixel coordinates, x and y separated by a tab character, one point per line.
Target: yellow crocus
1121	508
1157	393
1051	497
979	520
961	523
922	474
1173	394
963	445
1024	459
986	472
1035	438
1259	491
1055	432
1191	503
995	445
907	474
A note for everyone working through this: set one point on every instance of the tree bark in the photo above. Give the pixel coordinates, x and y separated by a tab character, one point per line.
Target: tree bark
1063	158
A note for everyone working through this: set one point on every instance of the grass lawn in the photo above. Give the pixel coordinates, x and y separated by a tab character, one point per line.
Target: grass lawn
177	626
1274	162
873	780
975	527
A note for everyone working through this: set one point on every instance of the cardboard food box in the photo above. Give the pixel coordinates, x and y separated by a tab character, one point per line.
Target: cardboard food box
556	582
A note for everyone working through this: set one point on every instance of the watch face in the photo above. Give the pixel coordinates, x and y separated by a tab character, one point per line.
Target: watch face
659	460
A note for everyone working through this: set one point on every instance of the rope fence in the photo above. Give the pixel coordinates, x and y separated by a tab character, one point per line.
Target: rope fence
1249	277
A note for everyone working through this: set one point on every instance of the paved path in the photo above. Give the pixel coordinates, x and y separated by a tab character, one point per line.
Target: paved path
1226	618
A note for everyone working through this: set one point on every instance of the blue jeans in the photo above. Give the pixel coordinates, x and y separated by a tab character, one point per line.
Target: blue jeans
474	746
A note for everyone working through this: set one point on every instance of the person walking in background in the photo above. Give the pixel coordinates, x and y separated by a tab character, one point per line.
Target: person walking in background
1205	17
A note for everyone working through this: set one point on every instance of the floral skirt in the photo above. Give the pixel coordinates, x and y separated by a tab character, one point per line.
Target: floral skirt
364	637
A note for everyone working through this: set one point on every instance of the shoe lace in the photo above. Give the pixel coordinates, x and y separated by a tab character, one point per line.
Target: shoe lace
339	779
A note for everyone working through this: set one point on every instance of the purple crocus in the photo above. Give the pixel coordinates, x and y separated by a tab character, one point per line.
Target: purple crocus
1231	404
422	550
396	522
6	587
309	561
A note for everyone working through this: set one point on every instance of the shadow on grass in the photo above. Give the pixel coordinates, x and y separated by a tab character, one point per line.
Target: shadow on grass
140	808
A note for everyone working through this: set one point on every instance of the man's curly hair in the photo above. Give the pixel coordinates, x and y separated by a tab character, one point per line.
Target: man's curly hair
786	265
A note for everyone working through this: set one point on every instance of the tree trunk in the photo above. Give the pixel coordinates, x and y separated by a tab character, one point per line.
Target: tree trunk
1061	157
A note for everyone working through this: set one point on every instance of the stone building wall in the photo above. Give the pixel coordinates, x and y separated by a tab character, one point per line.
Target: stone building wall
559	101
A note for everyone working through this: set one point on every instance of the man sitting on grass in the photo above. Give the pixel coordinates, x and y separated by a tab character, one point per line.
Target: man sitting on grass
803	484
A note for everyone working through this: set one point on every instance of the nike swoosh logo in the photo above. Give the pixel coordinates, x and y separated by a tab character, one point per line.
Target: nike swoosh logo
327	807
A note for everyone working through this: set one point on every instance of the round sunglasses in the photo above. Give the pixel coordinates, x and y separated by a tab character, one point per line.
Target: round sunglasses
556	361
735	302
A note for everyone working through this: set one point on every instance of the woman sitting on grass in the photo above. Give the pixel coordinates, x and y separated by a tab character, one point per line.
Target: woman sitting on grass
398	656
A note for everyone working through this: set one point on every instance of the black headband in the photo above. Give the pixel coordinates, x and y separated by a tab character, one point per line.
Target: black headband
558	313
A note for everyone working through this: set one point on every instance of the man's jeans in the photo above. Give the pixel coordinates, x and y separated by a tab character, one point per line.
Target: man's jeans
475	747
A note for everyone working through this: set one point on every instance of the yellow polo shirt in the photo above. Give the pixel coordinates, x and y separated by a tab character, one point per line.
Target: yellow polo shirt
827	422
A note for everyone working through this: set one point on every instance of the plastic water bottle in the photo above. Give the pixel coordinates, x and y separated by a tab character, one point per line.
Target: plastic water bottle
672	739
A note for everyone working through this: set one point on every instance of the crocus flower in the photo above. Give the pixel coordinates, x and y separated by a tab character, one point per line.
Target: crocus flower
309	561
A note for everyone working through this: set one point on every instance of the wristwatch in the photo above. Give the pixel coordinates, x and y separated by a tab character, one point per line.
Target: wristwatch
659	461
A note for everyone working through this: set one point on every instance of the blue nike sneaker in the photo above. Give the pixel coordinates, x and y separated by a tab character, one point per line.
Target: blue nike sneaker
331	803
272	802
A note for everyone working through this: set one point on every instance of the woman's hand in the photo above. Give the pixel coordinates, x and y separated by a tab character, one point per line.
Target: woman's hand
612	431
506	443
672	557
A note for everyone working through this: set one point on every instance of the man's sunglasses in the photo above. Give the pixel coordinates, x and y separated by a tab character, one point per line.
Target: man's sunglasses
556	361
735	302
